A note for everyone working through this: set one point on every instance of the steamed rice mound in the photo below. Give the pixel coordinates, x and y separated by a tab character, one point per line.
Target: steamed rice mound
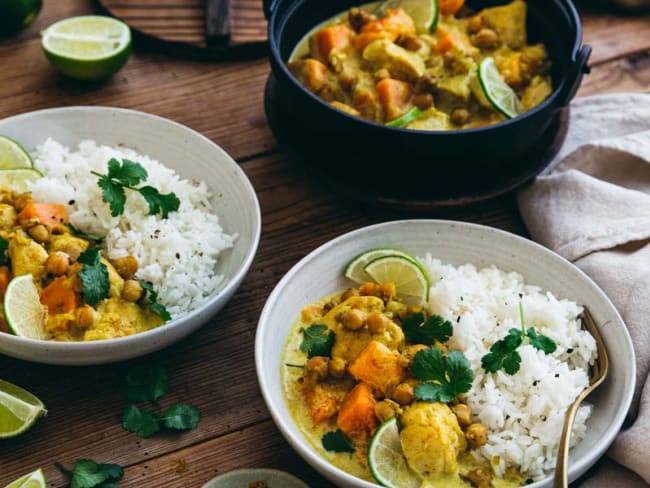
178	255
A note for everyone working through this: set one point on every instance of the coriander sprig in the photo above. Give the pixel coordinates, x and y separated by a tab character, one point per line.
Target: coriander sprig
87	473
126	175
443	377
504	354
318	340
94	276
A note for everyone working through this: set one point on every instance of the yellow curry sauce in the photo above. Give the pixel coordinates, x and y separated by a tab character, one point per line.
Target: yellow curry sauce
40	242
365	380
380	68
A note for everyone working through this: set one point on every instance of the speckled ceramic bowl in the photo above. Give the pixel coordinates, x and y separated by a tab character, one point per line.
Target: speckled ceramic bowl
242	477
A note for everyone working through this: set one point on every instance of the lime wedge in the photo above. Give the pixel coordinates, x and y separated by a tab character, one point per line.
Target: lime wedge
405	273
35	479
408	117
24	312
496	90
386	460
19	411
423	12
18	179
354	269
90	47
13	155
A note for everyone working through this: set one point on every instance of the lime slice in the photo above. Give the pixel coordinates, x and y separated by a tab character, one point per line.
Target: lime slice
18	179
90	47
405	273
408	117
24	312
35	479
496	90
13	155
17	14
423	12
354	269
19	411
386	460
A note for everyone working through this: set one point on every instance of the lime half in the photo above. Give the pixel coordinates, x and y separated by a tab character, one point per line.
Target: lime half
354	269
405	119
405	273
90	47
19	411
18	179
35	479
386	459
496	90
24	312
17	14
13	155
423	12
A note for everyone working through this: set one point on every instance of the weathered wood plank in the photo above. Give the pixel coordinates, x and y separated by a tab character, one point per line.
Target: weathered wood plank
627	74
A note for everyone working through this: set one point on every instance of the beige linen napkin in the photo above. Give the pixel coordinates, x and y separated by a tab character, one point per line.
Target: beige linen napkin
593	207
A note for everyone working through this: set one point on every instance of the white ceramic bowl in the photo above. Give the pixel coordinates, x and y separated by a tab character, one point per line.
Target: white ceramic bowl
191	155
241	478
321	273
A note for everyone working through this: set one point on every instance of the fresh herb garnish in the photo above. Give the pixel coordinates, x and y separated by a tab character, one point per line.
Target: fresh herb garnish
289	365
443	377
127	174
4	245
87	473
316	342
146	384
94	276
86	235
420	331
150	299
335	441
504	354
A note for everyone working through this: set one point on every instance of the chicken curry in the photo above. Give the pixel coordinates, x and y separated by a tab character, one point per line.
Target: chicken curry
377	63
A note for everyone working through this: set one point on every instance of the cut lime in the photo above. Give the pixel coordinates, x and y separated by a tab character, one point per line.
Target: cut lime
35	479
423	12
24	312
386	459
405	273
18	179
13	155
90	47
19	411
496	90
408	117
354	269
17	14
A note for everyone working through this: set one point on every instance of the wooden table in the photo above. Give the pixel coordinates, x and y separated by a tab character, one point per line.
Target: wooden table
214	368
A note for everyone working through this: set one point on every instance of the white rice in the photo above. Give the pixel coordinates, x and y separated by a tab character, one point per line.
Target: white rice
178	255
524	412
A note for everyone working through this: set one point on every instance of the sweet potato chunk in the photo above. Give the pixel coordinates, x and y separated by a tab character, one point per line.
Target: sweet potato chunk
379	367
357	413
323	42
394	96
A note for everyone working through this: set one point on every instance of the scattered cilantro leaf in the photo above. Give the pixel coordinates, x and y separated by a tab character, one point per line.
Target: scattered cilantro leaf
421	331
146	384
335	441
318	340
140	421
94	276
541	342
182	417
160	203
150	299
86	235
87	473
444	377
4	245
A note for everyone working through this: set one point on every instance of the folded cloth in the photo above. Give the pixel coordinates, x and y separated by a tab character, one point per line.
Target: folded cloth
592	206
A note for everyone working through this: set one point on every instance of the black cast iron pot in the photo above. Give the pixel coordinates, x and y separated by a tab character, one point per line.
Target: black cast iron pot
374	155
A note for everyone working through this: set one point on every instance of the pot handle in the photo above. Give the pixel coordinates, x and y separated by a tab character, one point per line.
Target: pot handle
269	7
576	71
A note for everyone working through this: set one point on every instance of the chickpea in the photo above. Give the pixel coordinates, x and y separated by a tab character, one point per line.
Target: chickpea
39	233
476	435
381	74
84	316
475	24
348	80
411	42
385	410
350	292
388	290
58	229
57	263
377	322
463	414
353	319
337	367
318	367
479	478
132	291
486	39
459	116
358	18
423	101
403	394
22	200
126	267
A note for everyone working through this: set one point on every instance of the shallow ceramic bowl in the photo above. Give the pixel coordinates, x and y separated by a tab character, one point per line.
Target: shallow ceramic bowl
241	478
321	273
191	155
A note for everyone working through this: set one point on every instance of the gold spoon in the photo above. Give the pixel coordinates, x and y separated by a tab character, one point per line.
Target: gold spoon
598	374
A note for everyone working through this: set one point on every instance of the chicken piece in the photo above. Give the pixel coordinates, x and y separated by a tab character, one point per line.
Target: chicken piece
119	318
401	64
7	217
115	281
536	92
509	21
431	438
71	245
26	256
431	119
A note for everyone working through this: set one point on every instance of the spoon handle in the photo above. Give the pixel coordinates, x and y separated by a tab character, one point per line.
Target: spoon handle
561	472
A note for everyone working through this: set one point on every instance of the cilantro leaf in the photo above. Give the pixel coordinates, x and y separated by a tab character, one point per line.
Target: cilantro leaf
316	342
87	473
86	235
511	362
428	331
128	173
146	384
182	417
113	194
4	245
140	421
159	203
94	276
444	378
335	441
150	299
541	342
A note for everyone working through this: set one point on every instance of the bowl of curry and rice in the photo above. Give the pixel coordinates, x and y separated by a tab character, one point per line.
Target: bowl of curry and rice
121	232
463	93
